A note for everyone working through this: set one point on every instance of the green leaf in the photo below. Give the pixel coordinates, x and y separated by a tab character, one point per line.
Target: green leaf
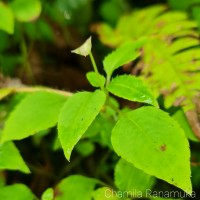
75	187
154	142
26	11
131	88
11	159
48	194
174	80
138	19
39	30
37	111
56	144
100	130
122	55
95	79
93	129
85	48
107	35
106	126
85	148
130	178
170	61
16	192
7	18
76	116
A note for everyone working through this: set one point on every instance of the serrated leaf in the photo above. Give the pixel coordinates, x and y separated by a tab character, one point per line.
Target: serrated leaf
95	79
26	11
178	81
130	178
11	159
124	31
170	63
76	116
138	19
131	88
37	111
85	48
75	187
122	55
151	141
48	194
7	18
16	192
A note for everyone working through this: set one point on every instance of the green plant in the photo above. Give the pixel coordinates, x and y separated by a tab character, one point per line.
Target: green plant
147	139
23	11
14	14
170	60
192	8
25	23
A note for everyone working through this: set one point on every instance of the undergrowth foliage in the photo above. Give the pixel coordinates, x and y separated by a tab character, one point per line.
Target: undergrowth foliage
169	63
147	140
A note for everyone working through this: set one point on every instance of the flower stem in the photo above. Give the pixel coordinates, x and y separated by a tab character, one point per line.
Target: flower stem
93	63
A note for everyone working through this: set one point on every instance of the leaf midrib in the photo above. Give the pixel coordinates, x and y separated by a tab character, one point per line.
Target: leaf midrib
130	88
154	142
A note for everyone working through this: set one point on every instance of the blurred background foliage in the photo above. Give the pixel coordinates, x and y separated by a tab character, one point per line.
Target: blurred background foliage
36	37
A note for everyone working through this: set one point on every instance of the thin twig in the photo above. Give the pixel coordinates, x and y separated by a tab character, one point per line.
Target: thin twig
37	89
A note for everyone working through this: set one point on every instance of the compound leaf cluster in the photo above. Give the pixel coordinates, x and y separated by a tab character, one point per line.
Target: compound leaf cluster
170	59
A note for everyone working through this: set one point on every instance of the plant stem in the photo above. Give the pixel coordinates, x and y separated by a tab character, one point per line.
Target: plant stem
93	63
26	65
37	89
94	66
108	80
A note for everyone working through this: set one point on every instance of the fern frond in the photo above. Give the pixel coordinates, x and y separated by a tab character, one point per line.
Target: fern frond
171	57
